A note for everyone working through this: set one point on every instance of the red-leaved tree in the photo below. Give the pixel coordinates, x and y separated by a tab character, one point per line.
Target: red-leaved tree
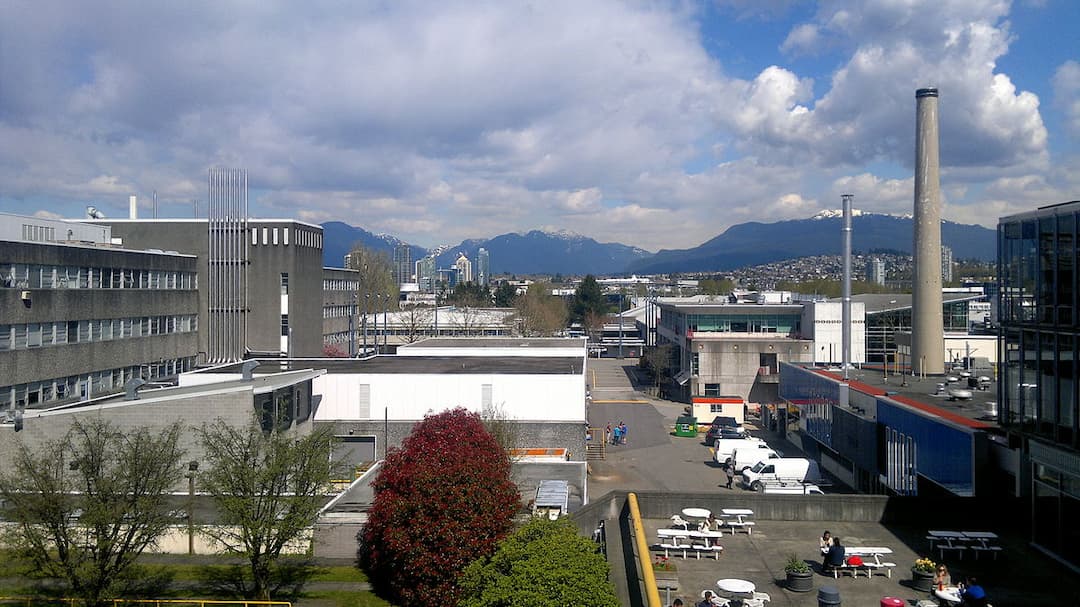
442	500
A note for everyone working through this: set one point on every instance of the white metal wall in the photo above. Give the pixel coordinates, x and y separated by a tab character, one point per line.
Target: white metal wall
408	397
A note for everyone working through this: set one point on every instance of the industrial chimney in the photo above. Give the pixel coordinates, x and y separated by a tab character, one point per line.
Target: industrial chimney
927	325
133	207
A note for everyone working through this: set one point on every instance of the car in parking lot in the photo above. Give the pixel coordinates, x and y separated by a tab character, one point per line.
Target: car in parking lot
716	432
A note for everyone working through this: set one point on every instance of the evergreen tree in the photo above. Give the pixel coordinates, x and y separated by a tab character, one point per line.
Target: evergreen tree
588	301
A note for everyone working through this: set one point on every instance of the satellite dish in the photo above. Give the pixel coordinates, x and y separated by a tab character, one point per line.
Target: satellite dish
93	213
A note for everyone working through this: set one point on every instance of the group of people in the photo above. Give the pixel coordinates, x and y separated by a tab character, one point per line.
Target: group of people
616	435
971	593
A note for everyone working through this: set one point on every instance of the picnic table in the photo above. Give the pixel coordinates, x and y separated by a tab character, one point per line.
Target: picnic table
737	519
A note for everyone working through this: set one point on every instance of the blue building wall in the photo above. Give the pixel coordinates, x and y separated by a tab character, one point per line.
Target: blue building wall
945	453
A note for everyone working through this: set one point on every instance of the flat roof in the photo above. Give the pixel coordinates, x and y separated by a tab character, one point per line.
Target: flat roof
1043	211
420	365
498	342
923	394
885	302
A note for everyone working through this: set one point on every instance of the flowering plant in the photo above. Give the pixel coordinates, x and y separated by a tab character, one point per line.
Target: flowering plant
663	564
924	565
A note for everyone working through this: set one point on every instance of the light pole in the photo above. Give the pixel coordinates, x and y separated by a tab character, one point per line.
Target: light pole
193	467
352	328
363	321
621	294
386	321
375	309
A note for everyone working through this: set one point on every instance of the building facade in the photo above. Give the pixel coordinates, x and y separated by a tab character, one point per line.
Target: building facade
946	264
273	308
463	268
426	276
1037	387
403	267
80	320
732	349
483	267
341	329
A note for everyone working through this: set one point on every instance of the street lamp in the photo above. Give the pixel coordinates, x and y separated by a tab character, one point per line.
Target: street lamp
193	467
352	327
386	321
363	321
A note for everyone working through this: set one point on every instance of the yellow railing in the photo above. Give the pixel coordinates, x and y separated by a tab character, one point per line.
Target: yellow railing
652	593
37	600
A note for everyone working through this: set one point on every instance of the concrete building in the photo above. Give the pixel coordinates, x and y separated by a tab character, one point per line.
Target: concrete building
483	267
734	349
273	307
82	316
1038	400
341	328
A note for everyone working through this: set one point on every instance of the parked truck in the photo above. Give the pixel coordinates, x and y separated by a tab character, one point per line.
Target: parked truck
724	447
783	469
745	457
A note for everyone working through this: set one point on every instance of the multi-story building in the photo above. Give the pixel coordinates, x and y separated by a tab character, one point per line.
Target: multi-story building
734	349
82	316
261	281
1037	386
463	267
403	268
483	267
875	271
426	276
341	309
946	264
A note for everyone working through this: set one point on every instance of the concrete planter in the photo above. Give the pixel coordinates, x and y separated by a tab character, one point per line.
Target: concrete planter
922	580
800	581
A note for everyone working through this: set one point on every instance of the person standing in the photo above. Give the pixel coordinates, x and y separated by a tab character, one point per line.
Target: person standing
729	470
622	433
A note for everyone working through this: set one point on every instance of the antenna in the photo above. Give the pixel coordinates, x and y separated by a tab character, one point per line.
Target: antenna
155	204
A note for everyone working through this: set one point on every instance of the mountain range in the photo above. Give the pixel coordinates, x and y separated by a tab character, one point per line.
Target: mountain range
747	244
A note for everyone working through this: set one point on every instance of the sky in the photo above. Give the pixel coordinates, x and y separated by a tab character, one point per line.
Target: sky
653	124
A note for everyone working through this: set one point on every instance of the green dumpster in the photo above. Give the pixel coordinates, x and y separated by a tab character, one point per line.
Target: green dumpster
686	426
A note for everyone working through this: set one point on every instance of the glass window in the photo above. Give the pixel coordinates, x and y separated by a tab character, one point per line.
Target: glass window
5	337
20	336
284	283
84	331
61	329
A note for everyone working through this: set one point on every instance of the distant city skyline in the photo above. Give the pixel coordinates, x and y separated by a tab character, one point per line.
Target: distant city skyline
657	126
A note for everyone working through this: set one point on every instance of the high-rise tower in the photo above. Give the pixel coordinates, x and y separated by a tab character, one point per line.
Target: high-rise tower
483	267
927	324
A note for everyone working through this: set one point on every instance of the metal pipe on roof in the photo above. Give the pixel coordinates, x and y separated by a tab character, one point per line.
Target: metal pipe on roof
845	328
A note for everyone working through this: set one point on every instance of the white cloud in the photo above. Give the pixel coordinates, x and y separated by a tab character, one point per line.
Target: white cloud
451	120
1067	94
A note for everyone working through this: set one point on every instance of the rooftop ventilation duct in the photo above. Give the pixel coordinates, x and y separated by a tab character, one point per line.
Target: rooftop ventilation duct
131	388
248	369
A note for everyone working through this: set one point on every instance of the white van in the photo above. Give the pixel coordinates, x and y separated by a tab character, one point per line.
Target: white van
724	447
798	469
745	457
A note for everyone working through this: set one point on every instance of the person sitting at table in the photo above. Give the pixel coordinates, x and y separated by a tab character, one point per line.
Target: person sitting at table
942	577
835	556
713	522
708	599
825	542
972	594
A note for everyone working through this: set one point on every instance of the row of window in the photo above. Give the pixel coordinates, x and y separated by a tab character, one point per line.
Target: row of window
340	284
31	276
35	233
34	335
275	236
338	311
89	385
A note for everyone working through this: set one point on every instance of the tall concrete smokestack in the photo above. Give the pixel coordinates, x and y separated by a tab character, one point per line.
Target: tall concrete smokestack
133	207
927	325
